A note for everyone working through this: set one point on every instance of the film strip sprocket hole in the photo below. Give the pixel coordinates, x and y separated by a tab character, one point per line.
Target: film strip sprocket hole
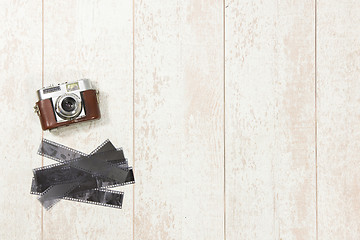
81	177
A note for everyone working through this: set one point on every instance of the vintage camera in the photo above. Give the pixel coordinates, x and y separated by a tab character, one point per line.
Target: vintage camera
67	103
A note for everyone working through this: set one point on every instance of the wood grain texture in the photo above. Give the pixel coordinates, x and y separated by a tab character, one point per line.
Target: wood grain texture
20	72
270	120
92	39
178	120
338	119
216	87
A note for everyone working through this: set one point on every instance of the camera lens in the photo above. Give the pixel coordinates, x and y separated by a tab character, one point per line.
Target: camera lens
68	104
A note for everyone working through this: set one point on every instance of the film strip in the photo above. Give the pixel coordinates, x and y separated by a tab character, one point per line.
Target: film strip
81	177
99	163
108	198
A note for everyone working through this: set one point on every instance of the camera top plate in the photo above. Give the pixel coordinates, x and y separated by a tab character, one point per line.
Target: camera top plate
63	88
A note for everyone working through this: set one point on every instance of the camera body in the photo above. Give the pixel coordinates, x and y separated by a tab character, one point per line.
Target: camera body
67	103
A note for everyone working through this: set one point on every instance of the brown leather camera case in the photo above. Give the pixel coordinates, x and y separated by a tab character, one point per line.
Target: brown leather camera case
47	114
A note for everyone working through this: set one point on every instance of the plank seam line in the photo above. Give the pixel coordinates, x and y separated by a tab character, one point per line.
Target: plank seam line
133	113
316	130
42	85
224	86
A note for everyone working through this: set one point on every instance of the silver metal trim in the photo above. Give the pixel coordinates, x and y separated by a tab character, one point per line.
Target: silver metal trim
84	84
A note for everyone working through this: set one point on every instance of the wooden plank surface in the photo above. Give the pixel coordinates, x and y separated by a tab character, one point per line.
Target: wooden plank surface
92	39
338	90
241	118
178	120
20	75
270	120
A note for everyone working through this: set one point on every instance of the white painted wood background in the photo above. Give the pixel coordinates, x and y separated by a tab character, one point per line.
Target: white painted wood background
241	118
